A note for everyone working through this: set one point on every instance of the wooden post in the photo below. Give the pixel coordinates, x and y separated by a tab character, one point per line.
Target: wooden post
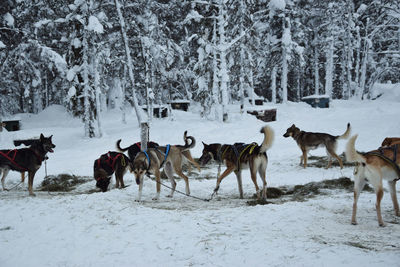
144	135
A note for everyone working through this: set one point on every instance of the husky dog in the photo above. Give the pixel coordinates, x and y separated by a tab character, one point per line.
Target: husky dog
135	148
26	159
239	156
374	166
170	157
309	141
108	164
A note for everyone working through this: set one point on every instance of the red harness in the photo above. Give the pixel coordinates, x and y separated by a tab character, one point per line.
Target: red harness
110	161
12	159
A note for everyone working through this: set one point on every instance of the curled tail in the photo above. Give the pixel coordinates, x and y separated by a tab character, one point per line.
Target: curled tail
188	145
346	133
119	147
268	138
351	154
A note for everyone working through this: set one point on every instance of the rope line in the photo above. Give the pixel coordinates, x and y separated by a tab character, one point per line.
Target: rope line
180	192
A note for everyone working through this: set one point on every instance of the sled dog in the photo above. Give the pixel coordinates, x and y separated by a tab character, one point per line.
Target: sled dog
108	164
308	141
241	156
26	159
153	159
374	166
135	148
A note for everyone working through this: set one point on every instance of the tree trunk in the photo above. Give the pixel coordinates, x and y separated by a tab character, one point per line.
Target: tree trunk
273	85
349	50
87	91
316	69
329	68
223	70
251	78
286	32
216	107
98	93
139	112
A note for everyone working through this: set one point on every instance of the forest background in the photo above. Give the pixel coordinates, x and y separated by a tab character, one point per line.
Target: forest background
90	56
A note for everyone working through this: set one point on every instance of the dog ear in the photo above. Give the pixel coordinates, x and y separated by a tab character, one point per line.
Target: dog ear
204	144
41	136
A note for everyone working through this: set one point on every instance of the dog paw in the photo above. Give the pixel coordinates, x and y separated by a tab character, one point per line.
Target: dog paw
354	223
170	196
32	194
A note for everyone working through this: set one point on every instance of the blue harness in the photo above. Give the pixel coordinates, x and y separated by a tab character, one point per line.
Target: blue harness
148	159
167	148
165	156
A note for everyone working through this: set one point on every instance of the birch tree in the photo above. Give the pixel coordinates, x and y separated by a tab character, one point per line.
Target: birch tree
139	113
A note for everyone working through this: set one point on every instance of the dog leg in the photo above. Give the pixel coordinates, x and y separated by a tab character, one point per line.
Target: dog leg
359	184
261	171
158	184
376	182
116	180
22	177
253	173
304	157
119	176
392	188
31	175
5	173
140	189
329	159
170	174
239	180
178	170
338	158
379	195
229	170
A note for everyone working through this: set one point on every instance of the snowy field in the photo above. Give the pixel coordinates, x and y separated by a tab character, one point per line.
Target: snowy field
111	229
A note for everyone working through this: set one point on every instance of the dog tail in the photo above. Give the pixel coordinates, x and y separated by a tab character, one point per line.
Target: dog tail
351	154
346	133
268	138
119	147
188	145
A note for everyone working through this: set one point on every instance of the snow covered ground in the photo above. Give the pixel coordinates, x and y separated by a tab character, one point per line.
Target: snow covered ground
111	229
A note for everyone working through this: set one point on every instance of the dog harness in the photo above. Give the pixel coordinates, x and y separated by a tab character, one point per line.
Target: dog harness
148	160
110	161
242	148
11	159
167	148
392	162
